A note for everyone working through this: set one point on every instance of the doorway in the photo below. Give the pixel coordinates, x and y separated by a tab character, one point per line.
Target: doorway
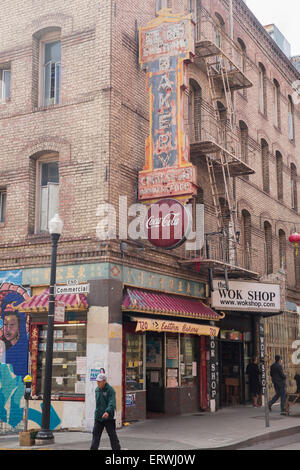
232	379
155	401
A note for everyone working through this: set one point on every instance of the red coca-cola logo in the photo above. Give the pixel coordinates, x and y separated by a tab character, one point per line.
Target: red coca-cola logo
167	224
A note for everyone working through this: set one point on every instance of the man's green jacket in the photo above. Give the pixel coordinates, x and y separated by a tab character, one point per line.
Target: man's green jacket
105	402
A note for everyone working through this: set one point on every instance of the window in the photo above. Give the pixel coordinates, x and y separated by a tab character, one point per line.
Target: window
49	193
2	205
279	172
265	165
188	360
294	186
268	248
282	249
134	362
51	73
219	29
4	85
262	86
246	228
277	115
69	343
291	128
194	111
244	138
160	4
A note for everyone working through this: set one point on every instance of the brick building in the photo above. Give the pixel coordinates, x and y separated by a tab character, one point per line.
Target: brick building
74	118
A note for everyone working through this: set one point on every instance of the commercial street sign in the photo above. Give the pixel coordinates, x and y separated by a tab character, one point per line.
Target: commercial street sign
69	289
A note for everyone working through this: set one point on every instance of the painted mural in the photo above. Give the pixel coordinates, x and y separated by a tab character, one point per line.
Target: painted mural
14	344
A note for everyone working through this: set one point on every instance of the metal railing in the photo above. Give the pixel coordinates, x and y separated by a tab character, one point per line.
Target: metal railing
223	248
207	29
208	128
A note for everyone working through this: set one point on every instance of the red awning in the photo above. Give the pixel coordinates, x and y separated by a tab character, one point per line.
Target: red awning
40	303
144	301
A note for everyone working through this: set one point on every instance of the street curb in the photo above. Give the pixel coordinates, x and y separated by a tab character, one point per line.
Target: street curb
257	439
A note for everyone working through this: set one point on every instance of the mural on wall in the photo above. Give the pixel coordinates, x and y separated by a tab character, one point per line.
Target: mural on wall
14	328
14	341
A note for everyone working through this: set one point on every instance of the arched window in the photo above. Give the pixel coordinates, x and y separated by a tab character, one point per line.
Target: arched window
47	66
265	165
277	112
194	111
219	29
291	124
282	249
262	86
268	248
244	136
246	238
294	187
279	174
44	186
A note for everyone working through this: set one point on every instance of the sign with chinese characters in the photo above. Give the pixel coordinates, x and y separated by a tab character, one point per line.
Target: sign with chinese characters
166	45
147	324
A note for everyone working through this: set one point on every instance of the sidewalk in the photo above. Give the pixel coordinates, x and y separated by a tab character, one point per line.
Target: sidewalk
226	428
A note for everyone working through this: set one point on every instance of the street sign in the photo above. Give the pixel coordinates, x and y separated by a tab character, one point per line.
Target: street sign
69	289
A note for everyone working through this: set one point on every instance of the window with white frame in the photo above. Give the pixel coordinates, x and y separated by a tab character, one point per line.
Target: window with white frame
2	205
49	193
4	84
51	72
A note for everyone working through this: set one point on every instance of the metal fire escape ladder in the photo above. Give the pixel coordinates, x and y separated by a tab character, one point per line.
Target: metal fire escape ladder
228	189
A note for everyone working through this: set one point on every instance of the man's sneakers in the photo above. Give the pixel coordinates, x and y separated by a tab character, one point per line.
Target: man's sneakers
270	407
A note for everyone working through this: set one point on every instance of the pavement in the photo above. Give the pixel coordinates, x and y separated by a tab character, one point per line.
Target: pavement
226	429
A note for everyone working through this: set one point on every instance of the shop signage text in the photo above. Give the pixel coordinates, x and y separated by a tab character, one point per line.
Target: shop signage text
167	45
249	296
145	324
167	224
72	289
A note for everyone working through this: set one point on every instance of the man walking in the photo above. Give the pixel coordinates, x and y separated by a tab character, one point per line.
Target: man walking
278	379
104	414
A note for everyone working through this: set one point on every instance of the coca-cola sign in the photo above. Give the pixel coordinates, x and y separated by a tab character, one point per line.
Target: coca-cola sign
167	224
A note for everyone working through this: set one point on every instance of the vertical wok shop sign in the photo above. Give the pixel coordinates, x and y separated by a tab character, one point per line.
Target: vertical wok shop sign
166	46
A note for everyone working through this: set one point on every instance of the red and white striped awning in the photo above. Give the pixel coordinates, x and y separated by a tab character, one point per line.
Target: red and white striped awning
40	302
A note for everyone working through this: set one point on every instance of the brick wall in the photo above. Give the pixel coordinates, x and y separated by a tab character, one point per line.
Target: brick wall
100	127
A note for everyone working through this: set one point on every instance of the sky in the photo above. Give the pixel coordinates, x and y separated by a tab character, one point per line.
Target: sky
284	13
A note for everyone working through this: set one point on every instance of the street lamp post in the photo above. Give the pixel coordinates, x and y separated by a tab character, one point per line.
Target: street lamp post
45	435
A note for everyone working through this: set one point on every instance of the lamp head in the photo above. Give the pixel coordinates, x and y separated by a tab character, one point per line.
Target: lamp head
56	225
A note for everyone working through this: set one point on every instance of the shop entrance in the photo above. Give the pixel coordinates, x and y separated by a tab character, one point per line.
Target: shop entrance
154	373
232	379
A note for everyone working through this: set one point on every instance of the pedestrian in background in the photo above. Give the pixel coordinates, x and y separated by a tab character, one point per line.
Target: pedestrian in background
278	379
105	414
253	373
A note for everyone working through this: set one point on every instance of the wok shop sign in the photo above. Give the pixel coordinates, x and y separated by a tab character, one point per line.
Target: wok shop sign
247	296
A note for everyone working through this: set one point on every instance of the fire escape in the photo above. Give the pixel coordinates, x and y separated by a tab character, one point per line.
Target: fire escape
215	140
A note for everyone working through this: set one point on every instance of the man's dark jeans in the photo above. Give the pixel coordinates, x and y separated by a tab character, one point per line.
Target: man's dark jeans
110	426
280	393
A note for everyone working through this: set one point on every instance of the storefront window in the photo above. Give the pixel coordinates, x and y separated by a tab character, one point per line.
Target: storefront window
134	362
188	360
172	356
69	353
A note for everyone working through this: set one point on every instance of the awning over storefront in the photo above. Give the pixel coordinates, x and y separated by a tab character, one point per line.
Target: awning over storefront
40	302
152	302
166	326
